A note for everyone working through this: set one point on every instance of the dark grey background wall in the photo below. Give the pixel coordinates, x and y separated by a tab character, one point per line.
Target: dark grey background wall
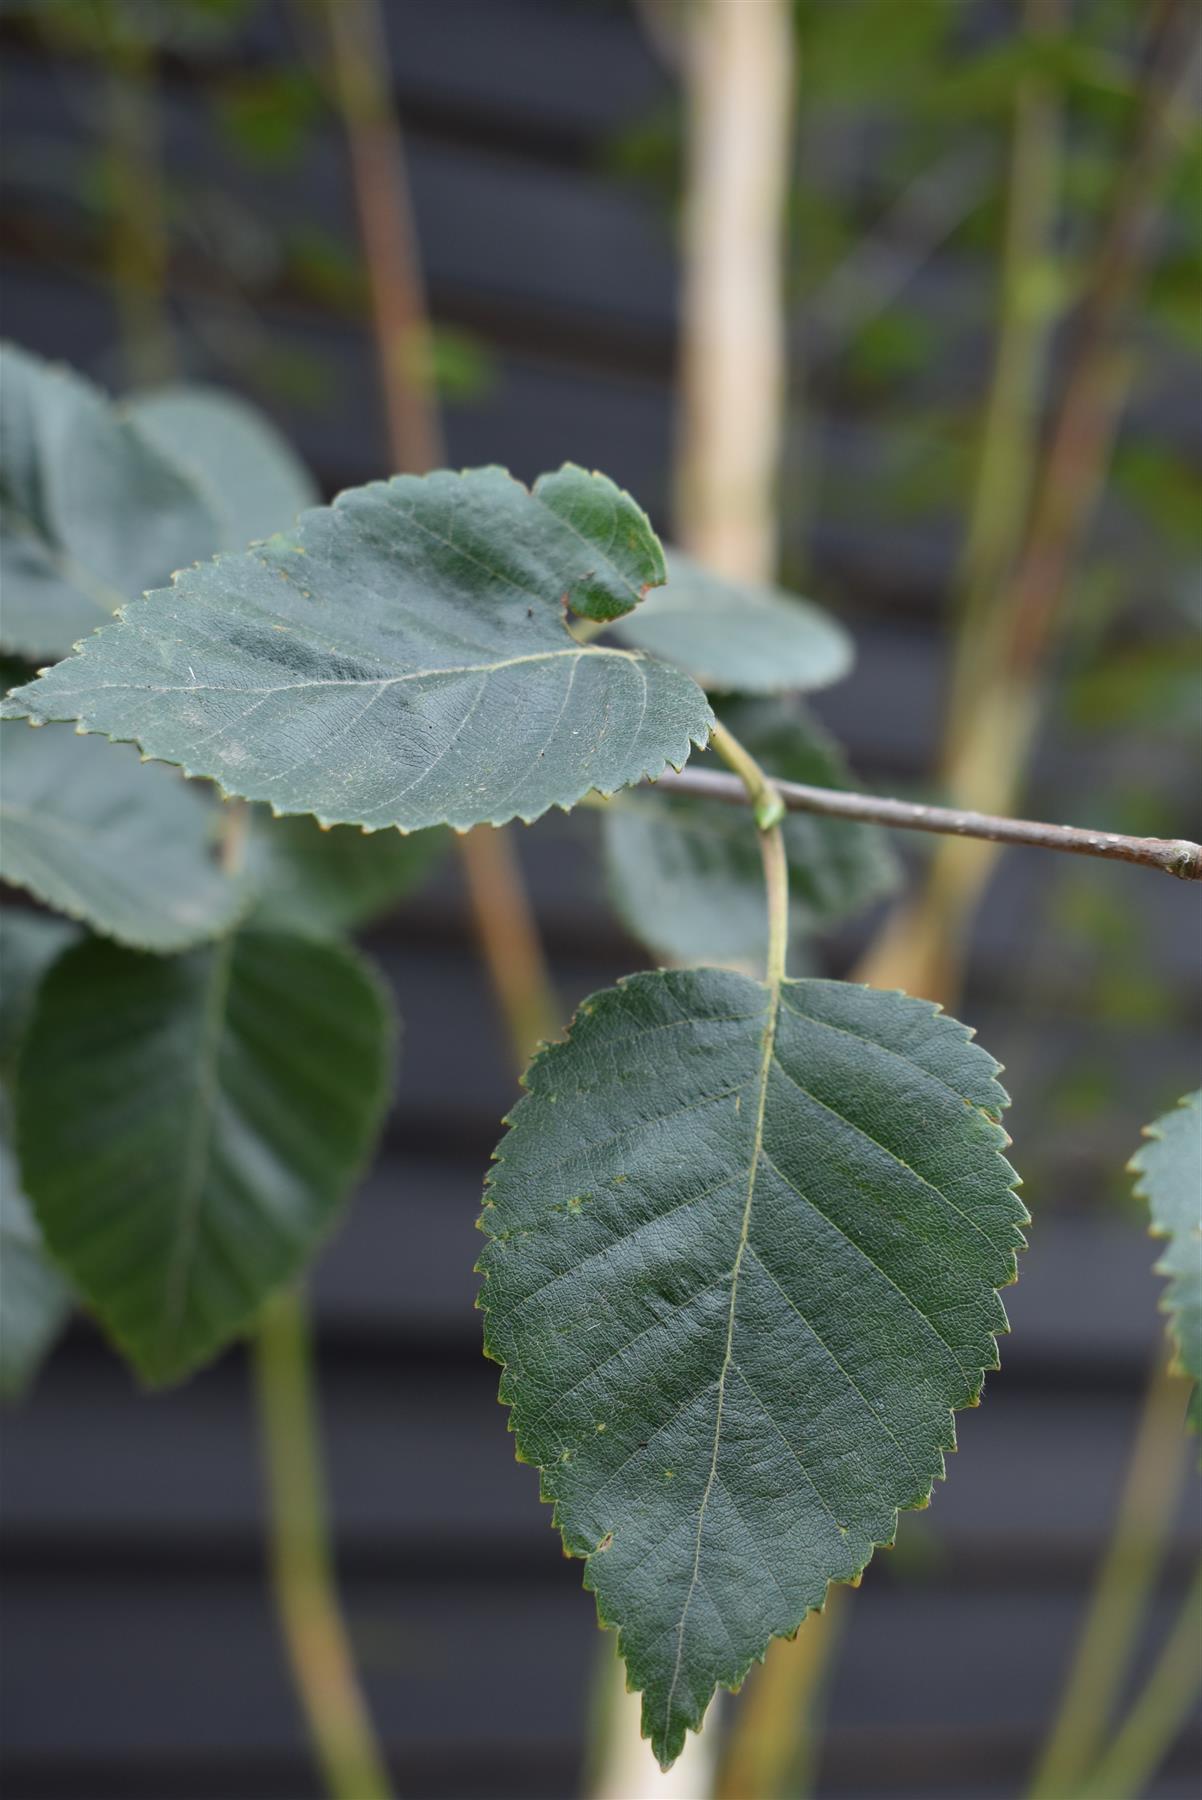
139	1651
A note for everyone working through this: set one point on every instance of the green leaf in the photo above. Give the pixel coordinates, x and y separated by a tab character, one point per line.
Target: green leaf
1169	1167
745	1246
189	1125
736	636
127	849
34	1298
29	943
335	880
90	514
251	477
401	658
685	872
35	1301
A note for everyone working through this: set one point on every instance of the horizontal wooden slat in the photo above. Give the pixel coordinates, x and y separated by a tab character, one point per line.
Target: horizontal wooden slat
420	1458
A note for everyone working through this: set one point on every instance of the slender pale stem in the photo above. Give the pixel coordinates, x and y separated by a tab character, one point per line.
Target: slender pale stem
1121	1590
1176	856
301	1563
509	941
299	1544
506	931
739	87
1010	428
776	881
1156	1717
361	72
1000	656
756	787
233	831
138	241
766	804
774	1751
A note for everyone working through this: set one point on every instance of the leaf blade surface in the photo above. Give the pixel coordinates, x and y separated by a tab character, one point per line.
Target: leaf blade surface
126	849
34	1298
401	659
336	880
189	1126
737	637
90	513
744	1254
253	480
1169	1171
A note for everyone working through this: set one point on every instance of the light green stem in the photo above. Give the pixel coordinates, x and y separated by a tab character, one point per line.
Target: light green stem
1146	1735
766	803
301	1562
769	810
1121	1590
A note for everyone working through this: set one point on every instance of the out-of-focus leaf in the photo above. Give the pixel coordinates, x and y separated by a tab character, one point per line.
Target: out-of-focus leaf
335	880
1169	1171
125	848
737	637
1154	684
267	113
252	478
745	1246
90	513
29	943
189	1126
401	658
685	873
34	1298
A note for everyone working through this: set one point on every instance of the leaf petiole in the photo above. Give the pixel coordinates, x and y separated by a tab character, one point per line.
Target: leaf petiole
768	809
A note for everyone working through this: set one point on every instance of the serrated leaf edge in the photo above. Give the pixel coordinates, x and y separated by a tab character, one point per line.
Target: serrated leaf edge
968	1034
675	760
1162	1234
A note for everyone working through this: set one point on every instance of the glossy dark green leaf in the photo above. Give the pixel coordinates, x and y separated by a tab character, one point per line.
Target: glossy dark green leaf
90	513
251	477
685	873
401	658
1169	1170
310	879
189	1126
745	1246
737	637
34	1298
125	848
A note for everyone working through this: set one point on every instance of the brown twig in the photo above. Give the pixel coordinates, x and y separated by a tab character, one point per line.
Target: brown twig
1176	856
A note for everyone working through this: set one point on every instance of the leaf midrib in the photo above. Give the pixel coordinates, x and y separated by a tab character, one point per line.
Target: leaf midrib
767	1050
382	681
